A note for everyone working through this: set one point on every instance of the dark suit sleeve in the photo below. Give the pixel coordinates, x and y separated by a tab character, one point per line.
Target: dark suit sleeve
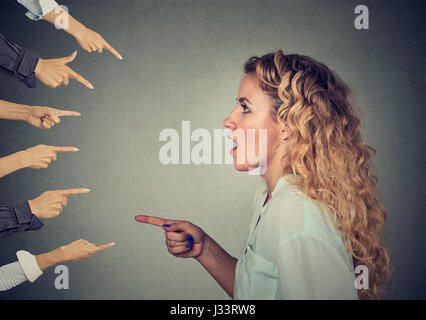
17	218
18	62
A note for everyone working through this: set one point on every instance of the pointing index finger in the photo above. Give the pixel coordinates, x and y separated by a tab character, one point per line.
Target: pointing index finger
80	79
68	113
104	246
113	51
69	192
156	221
65	149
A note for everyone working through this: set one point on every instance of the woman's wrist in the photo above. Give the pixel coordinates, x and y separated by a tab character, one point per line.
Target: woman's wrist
76	28
48	259
203	257
14	111
21	159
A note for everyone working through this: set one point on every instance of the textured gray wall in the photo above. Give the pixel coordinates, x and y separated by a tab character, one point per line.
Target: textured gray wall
183	61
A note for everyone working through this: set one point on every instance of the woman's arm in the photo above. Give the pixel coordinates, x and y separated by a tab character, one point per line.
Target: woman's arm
12	163
186	240
37	116
220	264
30	267
14	111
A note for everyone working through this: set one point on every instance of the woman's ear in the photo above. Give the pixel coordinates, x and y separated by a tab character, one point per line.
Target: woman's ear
284	131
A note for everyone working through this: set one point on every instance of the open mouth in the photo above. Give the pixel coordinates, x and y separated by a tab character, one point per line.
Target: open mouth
234	147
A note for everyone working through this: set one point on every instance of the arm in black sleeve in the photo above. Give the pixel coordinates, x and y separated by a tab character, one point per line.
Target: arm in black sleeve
17	218
18	62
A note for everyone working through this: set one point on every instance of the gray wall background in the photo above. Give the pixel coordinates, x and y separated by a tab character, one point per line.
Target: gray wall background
183	61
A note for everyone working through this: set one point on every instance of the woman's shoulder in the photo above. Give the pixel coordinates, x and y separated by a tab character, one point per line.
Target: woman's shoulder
292	212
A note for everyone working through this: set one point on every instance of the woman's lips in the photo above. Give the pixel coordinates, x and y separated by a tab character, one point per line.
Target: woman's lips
231	152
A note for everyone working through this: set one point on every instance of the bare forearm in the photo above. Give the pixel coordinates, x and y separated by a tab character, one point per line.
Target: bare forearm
14	111
48	259
11	163
219	264
74	26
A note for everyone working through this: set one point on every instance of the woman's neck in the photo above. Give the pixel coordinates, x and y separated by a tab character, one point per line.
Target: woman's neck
273	173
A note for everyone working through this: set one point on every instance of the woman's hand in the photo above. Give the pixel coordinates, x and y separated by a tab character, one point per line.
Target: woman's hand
77	250
39	157
183	239
54	72
45	117
81	249
92	41
186	240
50	203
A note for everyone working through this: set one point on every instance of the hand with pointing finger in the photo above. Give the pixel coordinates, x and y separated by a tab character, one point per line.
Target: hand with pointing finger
88	39
50	203
186	240
39	157
54	72
77	250
45	117
81	249
183	239
92	41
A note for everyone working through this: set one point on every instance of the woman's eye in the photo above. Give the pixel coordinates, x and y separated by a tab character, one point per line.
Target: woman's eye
245	109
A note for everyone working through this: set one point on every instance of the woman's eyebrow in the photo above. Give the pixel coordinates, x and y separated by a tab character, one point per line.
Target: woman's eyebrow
242	99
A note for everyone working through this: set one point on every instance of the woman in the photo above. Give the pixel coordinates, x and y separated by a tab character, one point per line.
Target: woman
317	214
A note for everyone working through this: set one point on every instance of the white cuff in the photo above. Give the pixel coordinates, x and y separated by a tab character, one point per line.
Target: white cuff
38	8
29	264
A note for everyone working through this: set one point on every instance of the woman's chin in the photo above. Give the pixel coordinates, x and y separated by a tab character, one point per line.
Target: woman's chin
244	167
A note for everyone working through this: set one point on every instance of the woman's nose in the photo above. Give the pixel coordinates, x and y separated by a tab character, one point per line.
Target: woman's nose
229	123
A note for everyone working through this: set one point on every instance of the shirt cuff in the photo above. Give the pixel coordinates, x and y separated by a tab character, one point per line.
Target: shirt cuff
27	67
24	215
29	264
37	11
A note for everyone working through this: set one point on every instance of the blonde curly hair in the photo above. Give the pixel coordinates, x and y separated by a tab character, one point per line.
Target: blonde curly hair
328	154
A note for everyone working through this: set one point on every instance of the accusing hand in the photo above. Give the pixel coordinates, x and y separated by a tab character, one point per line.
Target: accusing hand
50	203
39	157
81	249
45	117
92	41
183	239
54	72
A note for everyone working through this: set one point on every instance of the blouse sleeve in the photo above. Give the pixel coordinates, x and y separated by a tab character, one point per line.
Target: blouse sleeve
13	274
312	268
38	8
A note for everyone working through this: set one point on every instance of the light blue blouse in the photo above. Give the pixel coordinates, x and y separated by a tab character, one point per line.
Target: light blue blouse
294	251
38	8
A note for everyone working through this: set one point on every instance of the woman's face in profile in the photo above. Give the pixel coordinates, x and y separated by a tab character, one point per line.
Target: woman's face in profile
252	111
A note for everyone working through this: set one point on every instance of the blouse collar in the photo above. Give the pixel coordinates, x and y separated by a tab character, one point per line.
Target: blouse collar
281	183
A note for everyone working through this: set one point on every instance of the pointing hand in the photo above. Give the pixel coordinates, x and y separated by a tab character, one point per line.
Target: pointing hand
54	72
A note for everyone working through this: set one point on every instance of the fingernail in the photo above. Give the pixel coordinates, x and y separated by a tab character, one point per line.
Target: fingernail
191	240
76	149
188	237
188	245
166	225
91	86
